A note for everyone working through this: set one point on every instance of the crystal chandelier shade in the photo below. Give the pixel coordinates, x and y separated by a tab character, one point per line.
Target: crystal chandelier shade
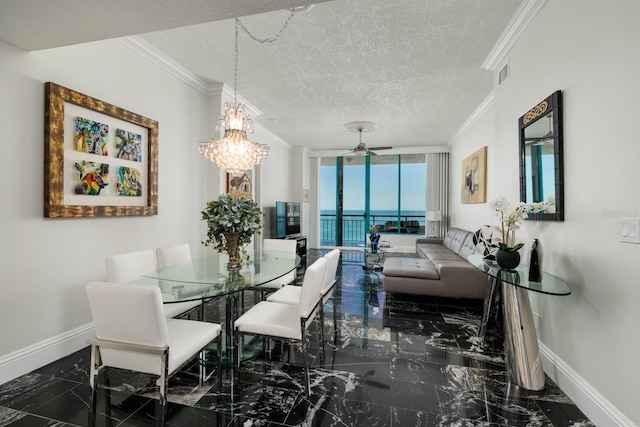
234	152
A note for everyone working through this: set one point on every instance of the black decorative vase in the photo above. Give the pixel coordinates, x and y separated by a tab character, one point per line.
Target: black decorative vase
375	239
508	260
535	262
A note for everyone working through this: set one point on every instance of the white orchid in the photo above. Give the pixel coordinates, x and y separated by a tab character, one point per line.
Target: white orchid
537	207
510	219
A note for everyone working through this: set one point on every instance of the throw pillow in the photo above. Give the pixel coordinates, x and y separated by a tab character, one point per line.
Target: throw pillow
486	240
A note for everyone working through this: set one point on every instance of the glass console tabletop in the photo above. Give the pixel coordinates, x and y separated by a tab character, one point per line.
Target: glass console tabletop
519	277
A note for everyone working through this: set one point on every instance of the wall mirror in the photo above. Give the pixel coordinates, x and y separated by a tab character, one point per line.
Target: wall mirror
541	160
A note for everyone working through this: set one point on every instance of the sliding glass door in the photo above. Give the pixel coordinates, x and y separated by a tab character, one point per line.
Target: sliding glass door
359	191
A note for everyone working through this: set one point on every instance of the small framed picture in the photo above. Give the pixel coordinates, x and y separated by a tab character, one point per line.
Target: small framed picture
240	186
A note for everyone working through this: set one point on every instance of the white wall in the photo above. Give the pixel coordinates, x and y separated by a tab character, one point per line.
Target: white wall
588	49
45	263
275	171
480	134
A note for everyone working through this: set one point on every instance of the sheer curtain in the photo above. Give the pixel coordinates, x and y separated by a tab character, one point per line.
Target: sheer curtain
438	189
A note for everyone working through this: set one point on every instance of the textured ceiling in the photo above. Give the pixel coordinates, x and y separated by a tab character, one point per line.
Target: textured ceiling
42	24
413	67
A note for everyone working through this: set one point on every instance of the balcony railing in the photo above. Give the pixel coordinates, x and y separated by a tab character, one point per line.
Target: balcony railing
354	229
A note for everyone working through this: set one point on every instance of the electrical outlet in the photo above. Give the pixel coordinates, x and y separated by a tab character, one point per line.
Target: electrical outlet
630	230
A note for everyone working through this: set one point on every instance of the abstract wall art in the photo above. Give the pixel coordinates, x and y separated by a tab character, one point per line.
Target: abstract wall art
90	136
129	182
129	145
100	160
474	177
91	178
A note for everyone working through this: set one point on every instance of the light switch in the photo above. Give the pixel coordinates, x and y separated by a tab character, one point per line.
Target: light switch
630	230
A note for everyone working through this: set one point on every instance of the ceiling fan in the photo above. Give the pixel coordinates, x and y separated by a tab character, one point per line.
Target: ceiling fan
361	149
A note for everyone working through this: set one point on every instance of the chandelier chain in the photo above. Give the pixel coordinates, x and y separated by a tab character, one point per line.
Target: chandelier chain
268	39
234	152
235	67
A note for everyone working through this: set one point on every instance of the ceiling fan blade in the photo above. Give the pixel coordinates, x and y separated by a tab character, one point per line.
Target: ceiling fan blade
380	148
371	153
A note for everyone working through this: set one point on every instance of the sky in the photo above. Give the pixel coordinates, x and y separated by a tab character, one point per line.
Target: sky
384	187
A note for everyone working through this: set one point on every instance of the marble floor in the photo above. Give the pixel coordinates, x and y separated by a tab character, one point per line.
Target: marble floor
392	360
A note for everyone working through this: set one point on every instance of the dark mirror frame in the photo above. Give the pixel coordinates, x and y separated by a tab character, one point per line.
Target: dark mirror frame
552	104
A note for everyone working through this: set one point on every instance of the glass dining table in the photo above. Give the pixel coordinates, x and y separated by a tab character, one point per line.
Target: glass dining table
203	279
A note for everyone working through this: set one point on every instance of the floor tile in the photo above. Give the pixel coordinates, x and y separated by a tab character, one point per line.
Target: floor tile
389	360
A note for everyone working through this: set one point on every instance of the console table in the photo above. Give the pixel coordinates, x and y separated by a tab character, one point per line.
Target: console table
520	340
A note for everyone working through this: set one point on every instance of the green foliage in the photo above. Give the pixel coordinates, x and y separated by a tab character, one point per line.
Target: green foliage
230	214
506	248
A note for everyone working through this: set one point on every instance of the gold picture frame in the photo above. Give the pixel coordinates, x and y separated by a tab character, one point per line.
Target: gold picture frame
474	177
60	199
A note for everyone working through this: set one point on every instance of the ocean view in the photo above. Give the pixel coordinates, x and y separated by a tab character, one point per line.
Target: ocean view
355	230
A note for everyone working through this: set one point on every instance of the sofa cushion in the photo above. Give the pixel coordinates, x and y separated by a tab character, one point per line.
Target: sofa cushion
410	267
443	256
455	238
422	249
468	247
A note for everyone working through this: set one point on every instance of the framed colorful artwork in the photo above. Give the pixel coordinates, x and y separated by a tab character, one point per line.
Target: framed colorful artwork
240	186
474	177
100	160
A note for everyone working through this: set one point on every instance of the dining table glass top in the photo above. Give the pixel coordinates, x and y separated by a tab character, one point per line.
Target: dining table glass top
209	277
519	277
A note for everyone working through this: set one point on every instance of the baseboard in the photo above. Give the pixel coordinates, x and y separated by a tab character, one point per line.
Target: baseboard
595	406
44	352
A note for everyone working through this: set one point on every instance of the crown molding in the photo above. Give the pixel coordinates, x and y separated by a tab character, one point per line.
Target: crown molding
473	118
228	95
524	15
272	135
156	56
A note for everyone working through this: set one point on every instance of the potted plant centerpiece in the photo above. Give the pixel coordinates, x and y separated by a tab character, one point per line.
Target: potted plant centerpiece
510	218
231	222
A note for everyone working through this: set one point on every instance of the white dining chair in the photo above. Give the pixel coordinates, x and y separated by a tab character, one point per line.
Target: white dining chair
286	321
282	245
125	267
133	333
171	255
291	294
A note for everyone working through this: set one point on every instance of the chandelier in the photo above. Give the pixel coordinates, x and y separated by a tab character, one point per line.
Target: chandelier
234	152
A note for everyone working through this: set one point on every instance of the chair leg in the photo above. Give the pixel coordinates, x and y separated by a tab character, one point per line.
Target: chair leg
164	386
219	355
305	359
93	378
237	343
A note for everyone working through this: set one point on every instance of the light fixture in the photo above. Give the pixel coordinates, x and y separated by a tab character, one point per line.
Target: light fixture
234	152
432	218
